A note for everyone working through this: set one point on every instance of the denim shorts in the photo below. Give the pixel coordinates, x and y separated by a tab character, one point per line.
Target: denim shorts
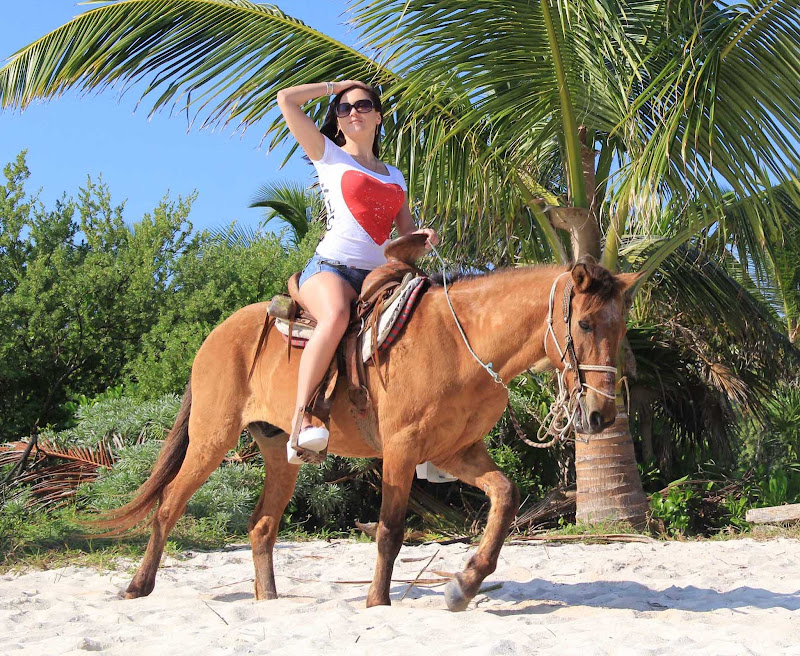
352	275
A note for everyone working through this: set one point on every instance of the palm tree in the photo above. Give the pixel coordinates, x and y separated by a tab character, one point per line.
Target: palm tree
582	124
293	204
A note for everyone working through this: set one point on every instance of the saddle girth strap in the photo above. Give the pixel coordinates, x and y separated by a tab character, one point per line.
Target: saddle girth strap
356	381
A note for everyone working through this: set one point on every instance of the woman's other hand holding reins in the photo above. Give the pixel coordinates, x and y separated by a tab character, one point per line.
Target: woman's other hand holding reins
433	238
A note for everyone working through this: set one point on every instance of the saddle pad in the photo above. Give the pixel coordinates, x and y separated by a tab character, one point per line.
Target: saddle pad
300	332
392	319
394	316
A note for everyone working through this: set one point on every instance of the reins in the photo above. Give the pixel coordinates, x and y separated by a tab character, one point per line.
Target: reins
488	366
563	413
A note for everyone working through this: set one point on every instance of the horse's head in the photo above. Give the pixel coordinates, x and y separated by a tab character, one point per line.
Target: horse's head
593	303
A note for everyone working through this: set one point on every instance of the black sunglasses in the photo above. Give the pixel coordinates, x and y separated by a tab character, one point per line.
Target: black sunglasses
364	106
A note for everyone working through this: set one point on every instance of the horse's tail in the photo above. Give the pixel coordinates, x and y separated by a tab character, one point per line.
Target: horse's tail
170	459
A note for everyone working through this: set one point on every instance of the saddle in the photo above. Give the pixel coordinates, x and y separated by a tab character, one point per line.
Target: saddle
377	316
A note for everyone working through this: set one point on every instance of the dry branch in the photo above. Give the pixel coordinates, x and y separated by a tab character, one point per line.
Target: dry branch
606	537
557	503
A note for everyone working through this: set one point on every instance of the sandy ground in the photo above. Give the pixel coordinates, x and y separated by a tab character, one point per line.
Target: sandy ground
716	598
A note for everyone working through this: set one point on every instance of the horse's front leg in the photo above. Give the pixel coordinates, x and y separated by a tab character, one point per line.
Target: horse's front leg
476	467
398	474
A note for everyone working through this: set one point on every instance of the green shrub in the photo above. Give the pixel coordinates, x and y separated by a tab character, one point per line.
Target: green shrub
510	460
318	503
678	510
773	441
777	486
123	420
228	497
115	485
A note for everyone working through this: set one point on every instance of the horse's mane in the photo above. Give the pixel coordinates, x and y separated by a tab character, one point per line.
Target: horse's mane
455	277
452	277
603	286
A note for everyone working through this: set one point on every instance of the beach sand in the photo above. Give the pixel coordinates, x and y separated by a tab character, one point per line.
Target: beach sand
716	598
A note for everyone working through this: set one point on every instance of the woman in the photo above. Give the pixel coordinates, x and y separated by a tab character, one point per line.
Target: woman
363	198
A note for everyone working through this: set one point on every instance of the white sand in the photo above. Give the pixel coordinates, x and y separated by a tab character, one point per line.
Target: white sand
714	598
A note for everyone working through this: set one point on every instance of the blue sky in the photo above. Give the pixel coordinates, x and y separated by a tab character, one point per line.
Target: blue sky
141	160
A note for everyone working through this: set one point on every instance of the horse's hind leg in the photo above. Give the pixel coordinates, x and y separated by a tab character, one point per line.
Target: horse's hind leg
476	467
279	481
207	448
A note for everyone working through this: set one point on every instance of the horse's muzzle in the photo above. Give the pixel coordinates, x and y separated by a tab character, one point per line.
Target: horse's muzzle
595	424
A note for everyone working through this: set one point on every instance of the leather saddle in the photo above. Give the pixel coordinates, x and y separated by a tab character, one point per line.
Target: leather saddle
401	256
379	286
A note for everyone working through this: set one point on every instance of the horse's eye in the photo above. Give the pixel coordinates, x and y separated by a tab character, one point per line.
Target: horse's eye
585	327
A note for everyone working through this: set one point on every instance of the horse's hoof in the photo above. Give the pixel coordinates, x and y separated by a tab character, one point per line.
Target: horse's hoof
135	591
454	596
372	603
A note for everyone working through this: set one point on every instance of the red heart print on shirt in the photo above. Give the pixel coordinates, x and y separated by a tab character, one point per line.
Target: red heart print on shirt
373	203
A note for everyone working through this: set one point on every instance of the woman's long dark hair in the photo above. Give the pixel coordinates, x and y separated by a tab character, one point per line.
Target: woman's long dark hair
330	127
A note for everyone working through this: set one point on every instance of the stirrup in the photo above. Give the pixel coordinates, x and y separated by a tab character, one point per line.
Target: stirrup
308	446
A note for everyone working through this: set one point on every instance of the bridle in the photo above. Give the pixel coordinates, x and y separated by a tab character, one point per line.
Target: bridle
572	363
564	411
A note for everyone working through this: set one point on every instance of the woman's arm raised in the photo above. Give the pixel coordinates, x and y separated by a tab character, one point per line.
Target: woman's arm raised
303	129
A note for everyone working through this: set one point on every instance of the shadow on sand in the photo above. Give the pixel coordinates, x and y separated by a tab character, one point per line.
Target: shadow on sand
633	596
538	597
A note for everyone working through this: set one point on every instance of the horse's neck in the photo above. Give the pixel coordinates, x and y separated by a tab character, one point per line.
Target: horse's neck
504	316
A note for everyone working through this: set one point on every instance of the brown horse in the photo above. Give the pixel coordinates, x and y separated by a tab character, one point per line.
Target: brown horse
438	404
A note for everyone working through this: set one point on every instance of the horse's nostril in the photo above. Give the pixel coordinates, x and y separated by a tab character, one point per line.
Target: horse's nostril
595	420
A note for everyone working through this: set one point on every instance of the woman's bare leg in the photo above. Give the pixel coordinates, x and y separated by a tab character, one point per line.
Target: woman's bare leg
328	297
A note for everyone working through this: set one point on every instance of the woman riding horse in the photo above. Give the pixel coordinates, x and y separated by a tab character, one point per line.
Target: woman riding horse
434	403
363	198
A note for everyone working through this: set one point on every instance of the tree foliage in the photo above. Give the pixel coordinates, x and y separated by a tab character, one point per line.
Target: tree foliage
80	288
91	301
214	279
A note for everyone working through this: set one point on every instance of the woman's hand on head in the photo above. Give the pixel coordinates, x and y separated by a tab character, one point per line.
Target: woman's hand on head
430	233
347	84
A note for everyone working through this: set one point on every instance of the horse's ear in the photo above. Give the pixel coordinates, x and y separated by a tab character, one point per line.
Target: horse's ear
627	284
581	277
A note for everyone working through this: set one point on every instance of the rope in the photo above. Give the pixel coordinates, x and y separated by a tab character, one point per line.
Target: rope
488	366
521	433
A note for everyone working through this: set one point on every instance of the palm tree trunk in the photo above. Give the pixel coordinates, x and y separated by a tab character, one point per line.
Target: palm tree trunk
607	477
609	487
608	482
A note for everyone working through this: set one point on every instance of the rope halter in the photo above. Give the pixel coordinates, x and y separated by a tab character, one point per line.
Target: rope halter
563	413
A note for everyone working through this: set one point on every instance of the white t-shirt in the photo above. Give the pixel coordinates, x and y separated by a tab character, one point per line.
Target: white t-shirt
361	207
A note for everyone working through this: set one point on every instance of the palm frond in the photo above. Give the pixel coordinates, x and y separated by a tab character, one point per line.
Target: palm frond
220	61
716	108
234	236
736	339
56	472
292	203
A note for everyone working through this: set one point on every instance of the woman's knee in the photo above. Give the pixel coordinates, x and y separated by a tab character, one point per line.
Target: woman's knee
334	319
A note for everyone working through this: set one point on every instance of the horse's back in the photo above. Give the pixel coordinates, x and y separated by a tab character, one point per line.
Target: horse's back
236	335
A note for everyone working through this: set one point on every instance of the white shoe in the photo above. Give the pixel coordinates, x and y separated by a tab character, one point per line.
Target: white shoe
427	471
313	438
